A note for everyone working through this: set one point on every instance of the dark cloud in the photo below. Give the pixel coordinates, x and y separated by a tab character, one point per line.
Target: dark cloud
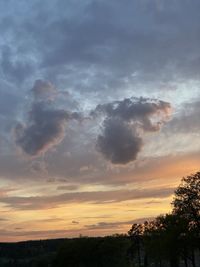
45	125
149	114
44	129
119	143
125	123
75	222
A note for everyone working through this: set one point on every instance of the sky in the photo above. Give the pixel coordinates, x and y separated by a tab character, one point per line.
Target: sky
99	113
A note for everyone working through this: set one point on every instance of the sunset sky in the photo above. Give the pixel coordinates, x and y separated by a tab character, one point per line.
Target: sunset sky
99	113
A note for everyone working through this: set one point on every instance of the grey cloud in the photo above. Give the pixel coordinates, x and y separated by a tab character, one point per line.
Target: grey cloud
38	167
99	197
125	123
148	39
124	46
43	90
140	110
68	187
14	69
108	225
187	119
33	234
94	55
45	125
119	143
154	168
21	233
8	102
4	191
44	130
49	220
153	202
9	106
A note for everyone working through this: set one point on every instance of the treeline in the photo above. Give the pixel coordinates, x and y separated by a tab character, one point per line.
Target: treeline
166	241
29	253
28	249
96	251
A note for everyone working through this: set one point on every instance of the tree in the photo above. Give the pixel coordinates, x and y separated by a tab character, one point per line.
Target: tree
162	239
187	200
187	205
135	234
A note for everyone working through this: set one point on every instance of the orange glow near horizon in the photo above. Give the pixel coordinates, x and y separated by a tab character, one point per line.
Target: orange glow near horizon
89	218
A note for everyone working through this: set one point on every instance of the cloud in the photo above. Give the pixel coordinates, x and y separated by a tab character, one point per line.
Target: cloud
45	125
44	130
8	103
89	52
140	109
44	233
68	187
187	119
43	90
4	191
119	143
110	225
14	69
75	222
98	51
114	49
3	219
96	197
125	123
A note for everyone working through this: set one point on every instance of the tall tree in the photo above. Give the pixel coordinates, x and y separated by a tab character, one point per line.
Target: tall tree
162	239
187	200
135	234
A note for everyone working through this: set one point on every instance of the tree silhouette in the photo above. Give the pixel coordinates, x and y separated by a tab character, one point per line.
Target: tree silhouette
135	234
187	200
94	252
162	239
